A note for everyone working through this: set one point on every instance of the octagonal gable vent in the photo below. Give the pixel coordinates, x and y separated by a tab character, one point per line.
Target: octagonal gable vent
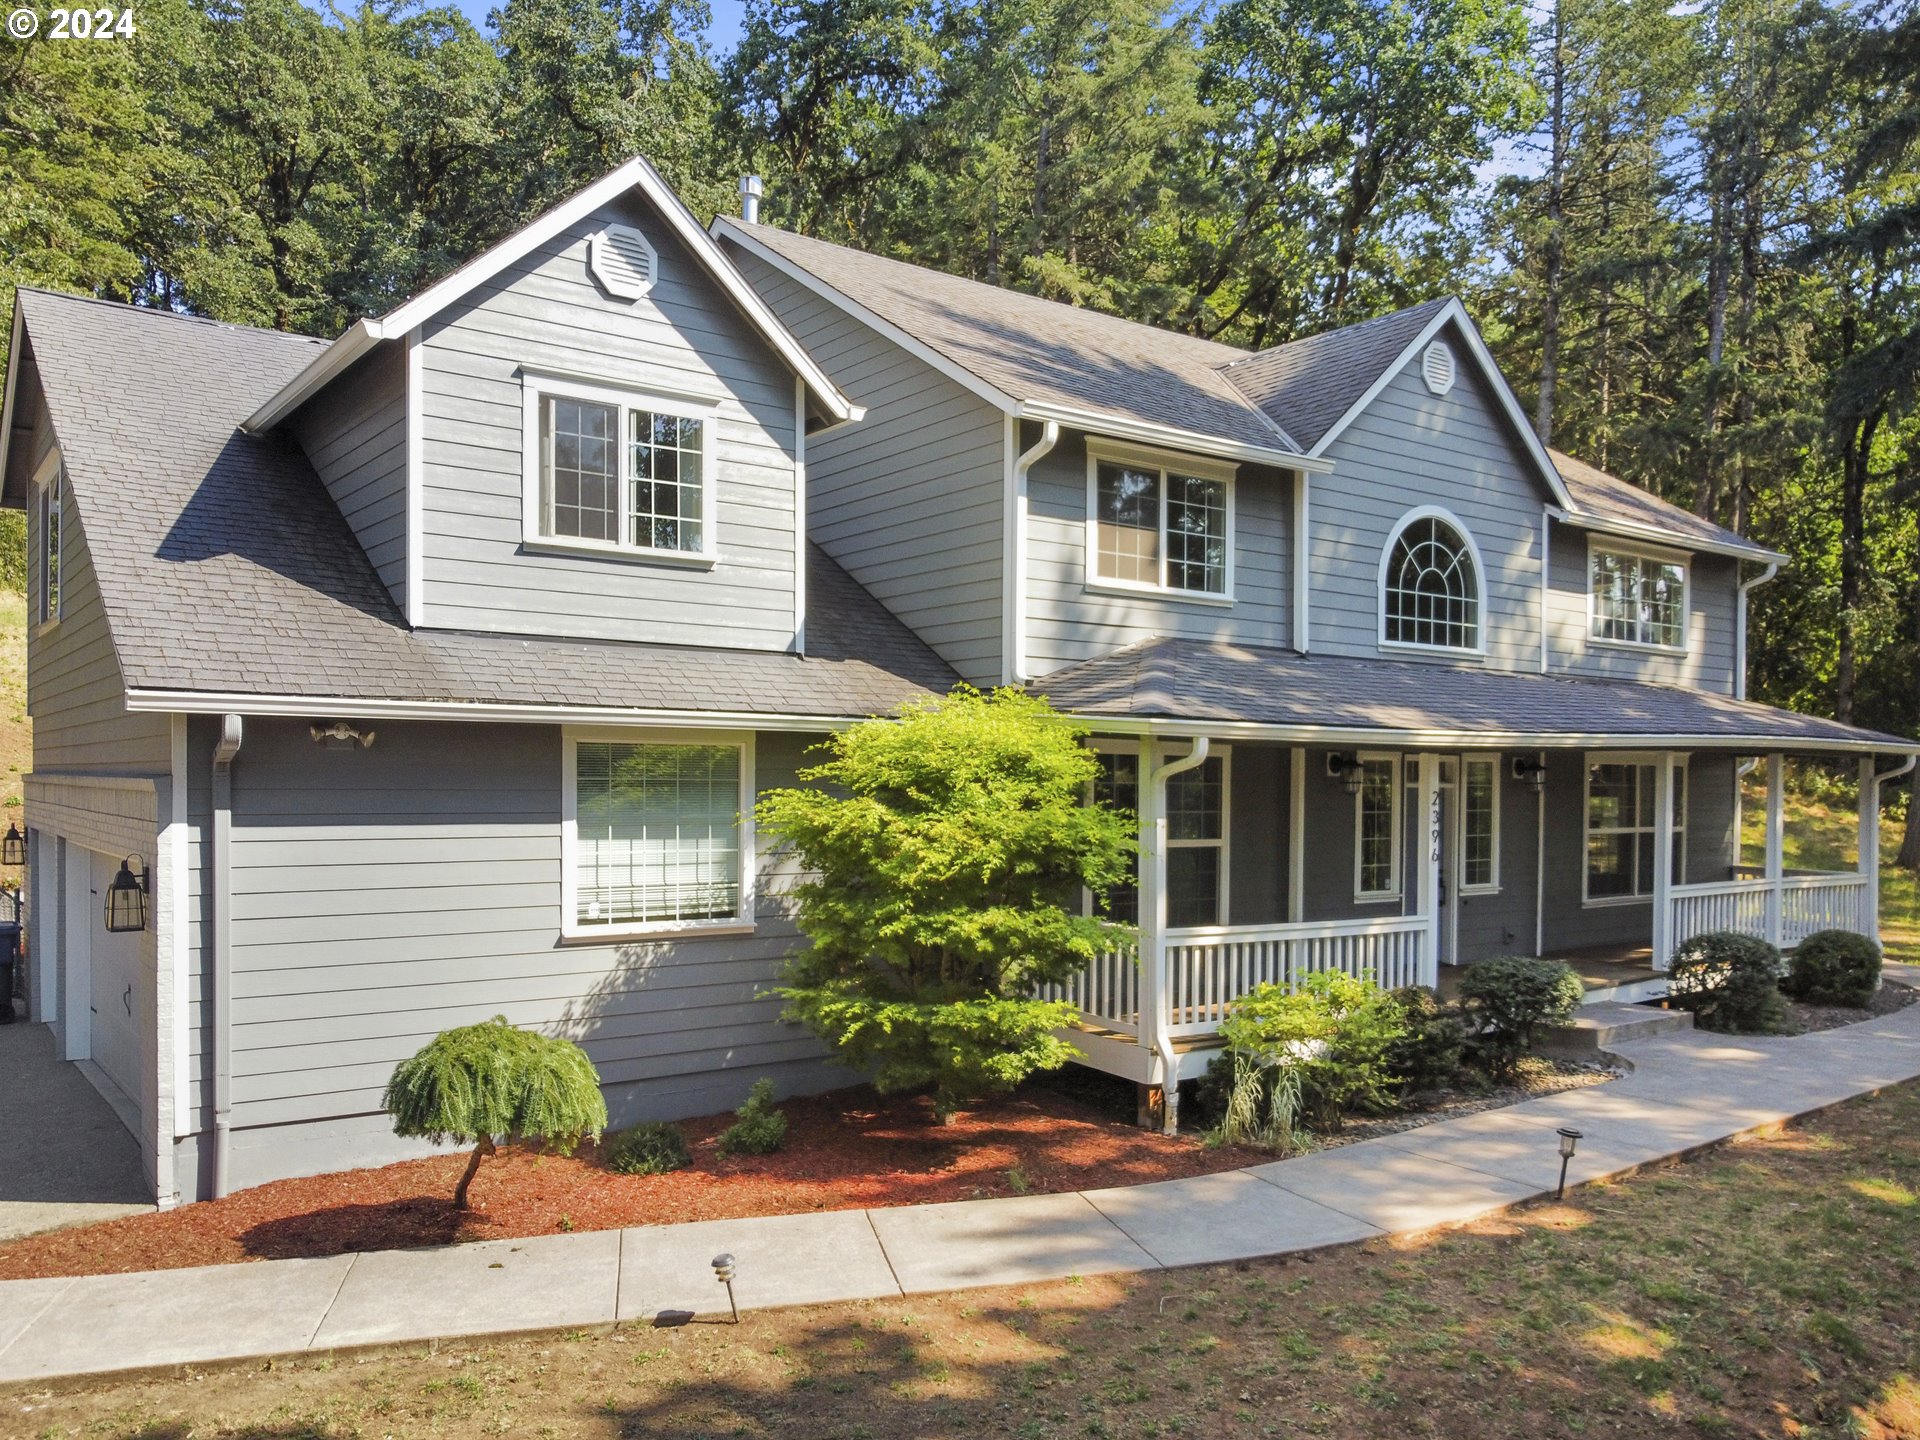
1436	367
623	261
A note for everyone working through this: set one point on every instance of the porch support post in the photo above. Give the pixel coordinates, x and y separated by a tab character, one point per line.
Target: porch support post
1663	937
1427	871
1869	860
1297	835
1776	840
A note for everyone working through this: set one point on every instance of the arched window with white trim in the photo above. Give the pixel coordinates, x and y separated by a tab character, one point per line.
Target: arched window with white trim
1430	584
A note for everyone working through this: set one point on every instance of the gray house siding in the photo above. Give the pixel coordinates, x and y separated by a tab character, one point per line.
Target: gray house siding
910	500
355	434
1411	448
1502	922
74	690
1712	600
383	895
683	339
1069	620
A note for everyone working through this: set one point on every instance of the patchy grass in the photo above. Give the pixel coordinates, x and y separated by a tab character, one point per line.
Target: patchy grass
1765	1290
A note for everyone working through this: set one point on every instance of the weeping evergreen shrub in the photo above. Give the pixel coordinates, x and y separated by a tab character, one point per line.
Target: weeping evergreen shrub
489	1083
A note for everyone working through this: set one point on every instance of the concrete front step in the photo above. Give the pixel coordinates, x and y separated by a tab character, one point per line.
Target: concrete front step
1595	1028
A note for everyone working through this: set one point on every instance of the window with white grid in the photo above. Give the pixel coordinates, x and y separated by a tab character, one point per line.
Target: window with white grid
1637	599
1623	823
1159	524
1430	587
657	834
1377	829
617	472
1480	823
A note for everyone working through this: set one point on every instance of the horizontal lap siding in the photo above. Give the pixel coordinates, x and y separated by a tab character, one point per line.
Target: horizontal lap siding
381	896
1712	601
74	689
1411	448
1502	922
911	499
1068	622
1331	815
355	435
683	338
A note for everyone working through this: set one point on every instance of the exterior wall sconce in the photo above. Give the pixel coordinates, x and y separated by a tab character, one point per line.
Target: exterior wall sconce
1348	770
1530	771
13	847
126	908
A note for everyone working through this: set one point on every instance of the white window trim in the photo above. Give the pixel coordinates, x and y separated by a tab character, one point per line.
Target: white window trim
1361	895
1490	887
1597	545
1224	754
571	736
1626	757
1101	745
1433	512
52	469
1165	461
535	387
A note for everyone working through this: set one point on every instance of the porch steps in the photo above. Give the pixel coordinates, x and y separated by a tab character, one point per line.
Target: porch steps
1629	992
1598	1028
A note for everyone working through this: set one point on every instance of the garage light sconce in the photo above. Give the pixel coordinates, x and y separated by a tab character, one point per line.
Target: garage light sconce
1530	771
13	847
340	735
127	897
1348	770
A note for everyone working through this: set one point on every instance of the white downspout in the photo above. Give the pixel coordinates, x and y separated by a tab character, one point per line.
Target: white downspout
1016	587
1152	989
1740	628
221	1029
1302	566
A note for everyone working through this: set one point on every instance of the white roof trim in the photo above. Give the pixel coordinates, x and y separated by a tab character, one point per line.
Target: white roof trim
1454	311
13	384
208	702
1672	539
635	174
1101	422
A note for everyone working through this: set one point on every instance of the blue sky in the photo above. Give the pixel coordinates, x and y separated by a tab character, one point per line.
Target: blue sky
724	31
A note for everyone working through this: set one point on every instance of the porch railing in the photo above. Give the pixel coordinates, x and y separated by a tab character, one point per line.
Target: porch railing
1208	969
1107	992
1784	912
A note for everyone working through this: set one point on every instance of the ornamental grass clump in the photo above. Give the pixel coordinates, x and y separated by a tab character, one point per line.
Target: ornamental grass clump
947	851
490	1084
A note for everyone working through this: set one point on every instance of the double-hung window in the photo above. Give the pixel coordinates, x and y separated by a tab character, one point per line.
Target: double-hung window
618	472
658	832
1376	809
1159	523
1116	785
1197	844
1623	824
1479	823
1637	599
52	493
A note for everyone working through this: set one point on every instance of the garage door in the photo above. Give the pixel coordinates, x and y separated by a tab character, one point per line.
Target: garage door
116	996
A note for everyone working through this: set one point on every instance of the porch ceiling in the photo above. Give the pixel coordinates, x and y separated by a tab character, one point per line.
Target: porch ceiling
1208	687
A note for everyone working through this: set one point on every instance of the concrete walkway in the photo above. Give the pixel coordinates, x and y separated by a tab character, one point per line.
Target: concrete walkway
1686	1090
65	1158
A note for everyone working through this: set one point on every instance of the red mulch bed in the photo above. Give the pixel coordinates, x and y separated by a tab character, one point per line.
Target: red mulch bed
848	1150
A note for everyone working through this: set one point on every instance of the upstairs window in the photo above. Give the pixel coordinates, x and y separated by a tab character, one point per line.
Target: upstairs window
1430	585
1638	599
52	496
619	473
1159	525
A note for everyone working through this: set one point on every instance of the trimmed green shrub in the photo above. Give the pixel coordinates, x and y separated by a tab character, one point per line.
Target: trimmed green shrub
760	1128
1508	999
484	1083
1833	967
652	1148
1730	981
1431	1052
947	852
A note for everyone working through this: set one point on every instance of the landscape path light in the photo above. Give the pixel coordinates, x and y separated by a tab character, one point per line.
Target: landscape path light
723	1272
1569	1140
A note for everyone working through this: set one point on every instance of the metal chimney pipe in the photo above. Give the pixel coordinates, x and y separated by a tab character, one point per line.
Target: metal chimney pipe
750	191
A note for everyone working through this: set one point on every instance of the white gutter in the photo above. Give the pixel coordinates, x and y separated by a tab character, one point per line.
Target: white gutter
1015	667
1302	565
306	707
1167	437
1740	628
221	1025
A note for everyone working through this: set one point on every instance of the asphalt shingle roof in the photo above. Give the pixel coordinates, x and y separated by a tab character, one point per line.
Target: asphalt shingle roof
1208	681
224	565
1608	497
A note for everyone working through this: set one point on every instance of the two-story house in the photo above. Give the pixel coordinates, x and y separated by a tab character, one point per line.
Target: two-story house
388	684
